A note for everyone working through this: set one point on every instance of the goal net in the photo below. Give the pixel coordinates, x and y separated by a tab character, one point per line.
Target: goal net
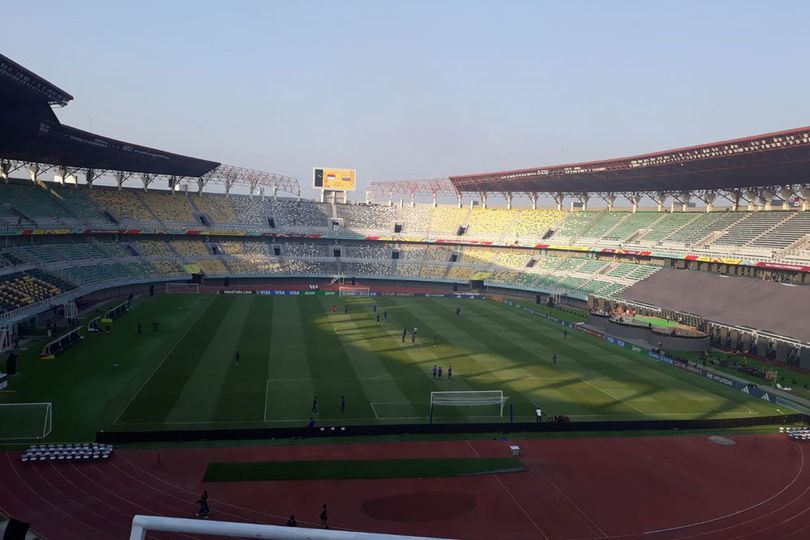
470	398
354	290
182	288
25	421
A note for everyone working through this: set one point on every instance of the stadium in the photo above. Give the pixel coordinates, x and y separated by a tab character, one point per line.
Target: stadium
622	341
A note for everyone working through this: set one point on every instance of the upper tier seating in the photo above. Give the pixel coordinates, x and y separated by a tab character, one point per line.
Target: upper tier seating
124	205
632	223
446	221
35	203
705	224
217	207
752	226
668	225
534	224
489	223
170	208
292	213
793	229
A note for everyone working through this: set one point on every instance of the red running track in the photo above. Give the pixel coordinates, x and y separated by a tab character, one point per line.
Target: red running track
659	488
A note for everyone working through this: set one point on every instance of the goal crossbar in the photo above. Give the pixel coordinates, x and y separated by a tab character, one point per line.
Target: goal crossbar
182	288
469	398
353	290
25	421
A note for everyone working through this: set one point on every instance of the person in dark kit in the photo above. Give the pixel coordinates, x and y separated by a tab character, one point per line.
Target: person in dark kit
565	334
434	372
458	310
404	333
129	301
334	309
342	404
311	423
375	308
291	522
155	326
237	357
140	332
385	315
324	518
314	408
450	373
413	337
440	372
204	510
554	359
345	310
378	319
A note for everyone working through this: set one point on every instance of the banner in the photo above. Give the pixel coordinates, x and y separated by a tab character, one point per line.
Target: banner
783	266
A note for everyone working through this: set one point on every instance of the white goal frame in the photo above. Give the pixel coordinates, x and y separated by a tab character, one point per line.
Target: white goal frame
354	290
468	398
47	422
182	288
141	524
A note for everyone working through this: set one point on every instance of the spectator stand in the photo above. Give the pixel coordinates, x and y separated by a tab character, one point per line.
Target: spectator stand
52	349
62	452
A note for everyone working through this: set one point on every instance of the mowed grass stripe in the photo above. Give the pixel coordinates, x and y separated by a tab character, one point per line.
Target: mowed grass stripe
616	372
422	356
242	397
481	351
586	363
409	365
198	397
156	399
360	338
668	388
290	386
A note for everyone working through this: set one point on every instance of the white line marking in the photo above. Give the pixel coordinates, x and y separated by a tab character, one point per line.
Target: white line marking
588	522
266	398
612	396
168	354
536	526
732	514
377	416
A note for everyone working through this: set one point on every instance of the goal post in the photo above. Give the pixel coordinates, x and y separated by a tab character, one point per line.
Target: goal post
142	524
469	398
182	288
25	421
354	290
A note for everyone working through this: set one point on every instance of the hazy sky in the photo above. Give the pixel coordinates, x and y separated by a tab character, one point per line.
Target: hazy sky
403	90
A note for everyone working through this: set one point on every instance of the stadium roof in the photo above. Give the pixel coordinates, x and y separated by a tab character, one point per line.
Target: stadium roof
32	133
19	84
771	159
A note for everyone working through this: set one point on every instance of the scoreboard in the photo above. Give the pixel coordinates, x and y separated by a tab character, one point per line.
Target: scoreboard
334	179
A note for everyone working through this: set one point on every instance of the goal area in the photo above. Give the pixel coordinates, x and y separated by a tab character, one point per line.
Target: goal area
469	398
182	288
354	290
25	421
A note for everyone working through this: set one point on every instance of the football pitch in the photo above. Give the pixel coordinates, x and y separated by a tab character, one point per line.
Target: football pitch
293	348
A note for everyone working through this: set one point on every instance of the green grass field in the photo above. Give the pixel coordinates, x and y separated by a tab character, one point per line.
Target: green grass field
293	348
